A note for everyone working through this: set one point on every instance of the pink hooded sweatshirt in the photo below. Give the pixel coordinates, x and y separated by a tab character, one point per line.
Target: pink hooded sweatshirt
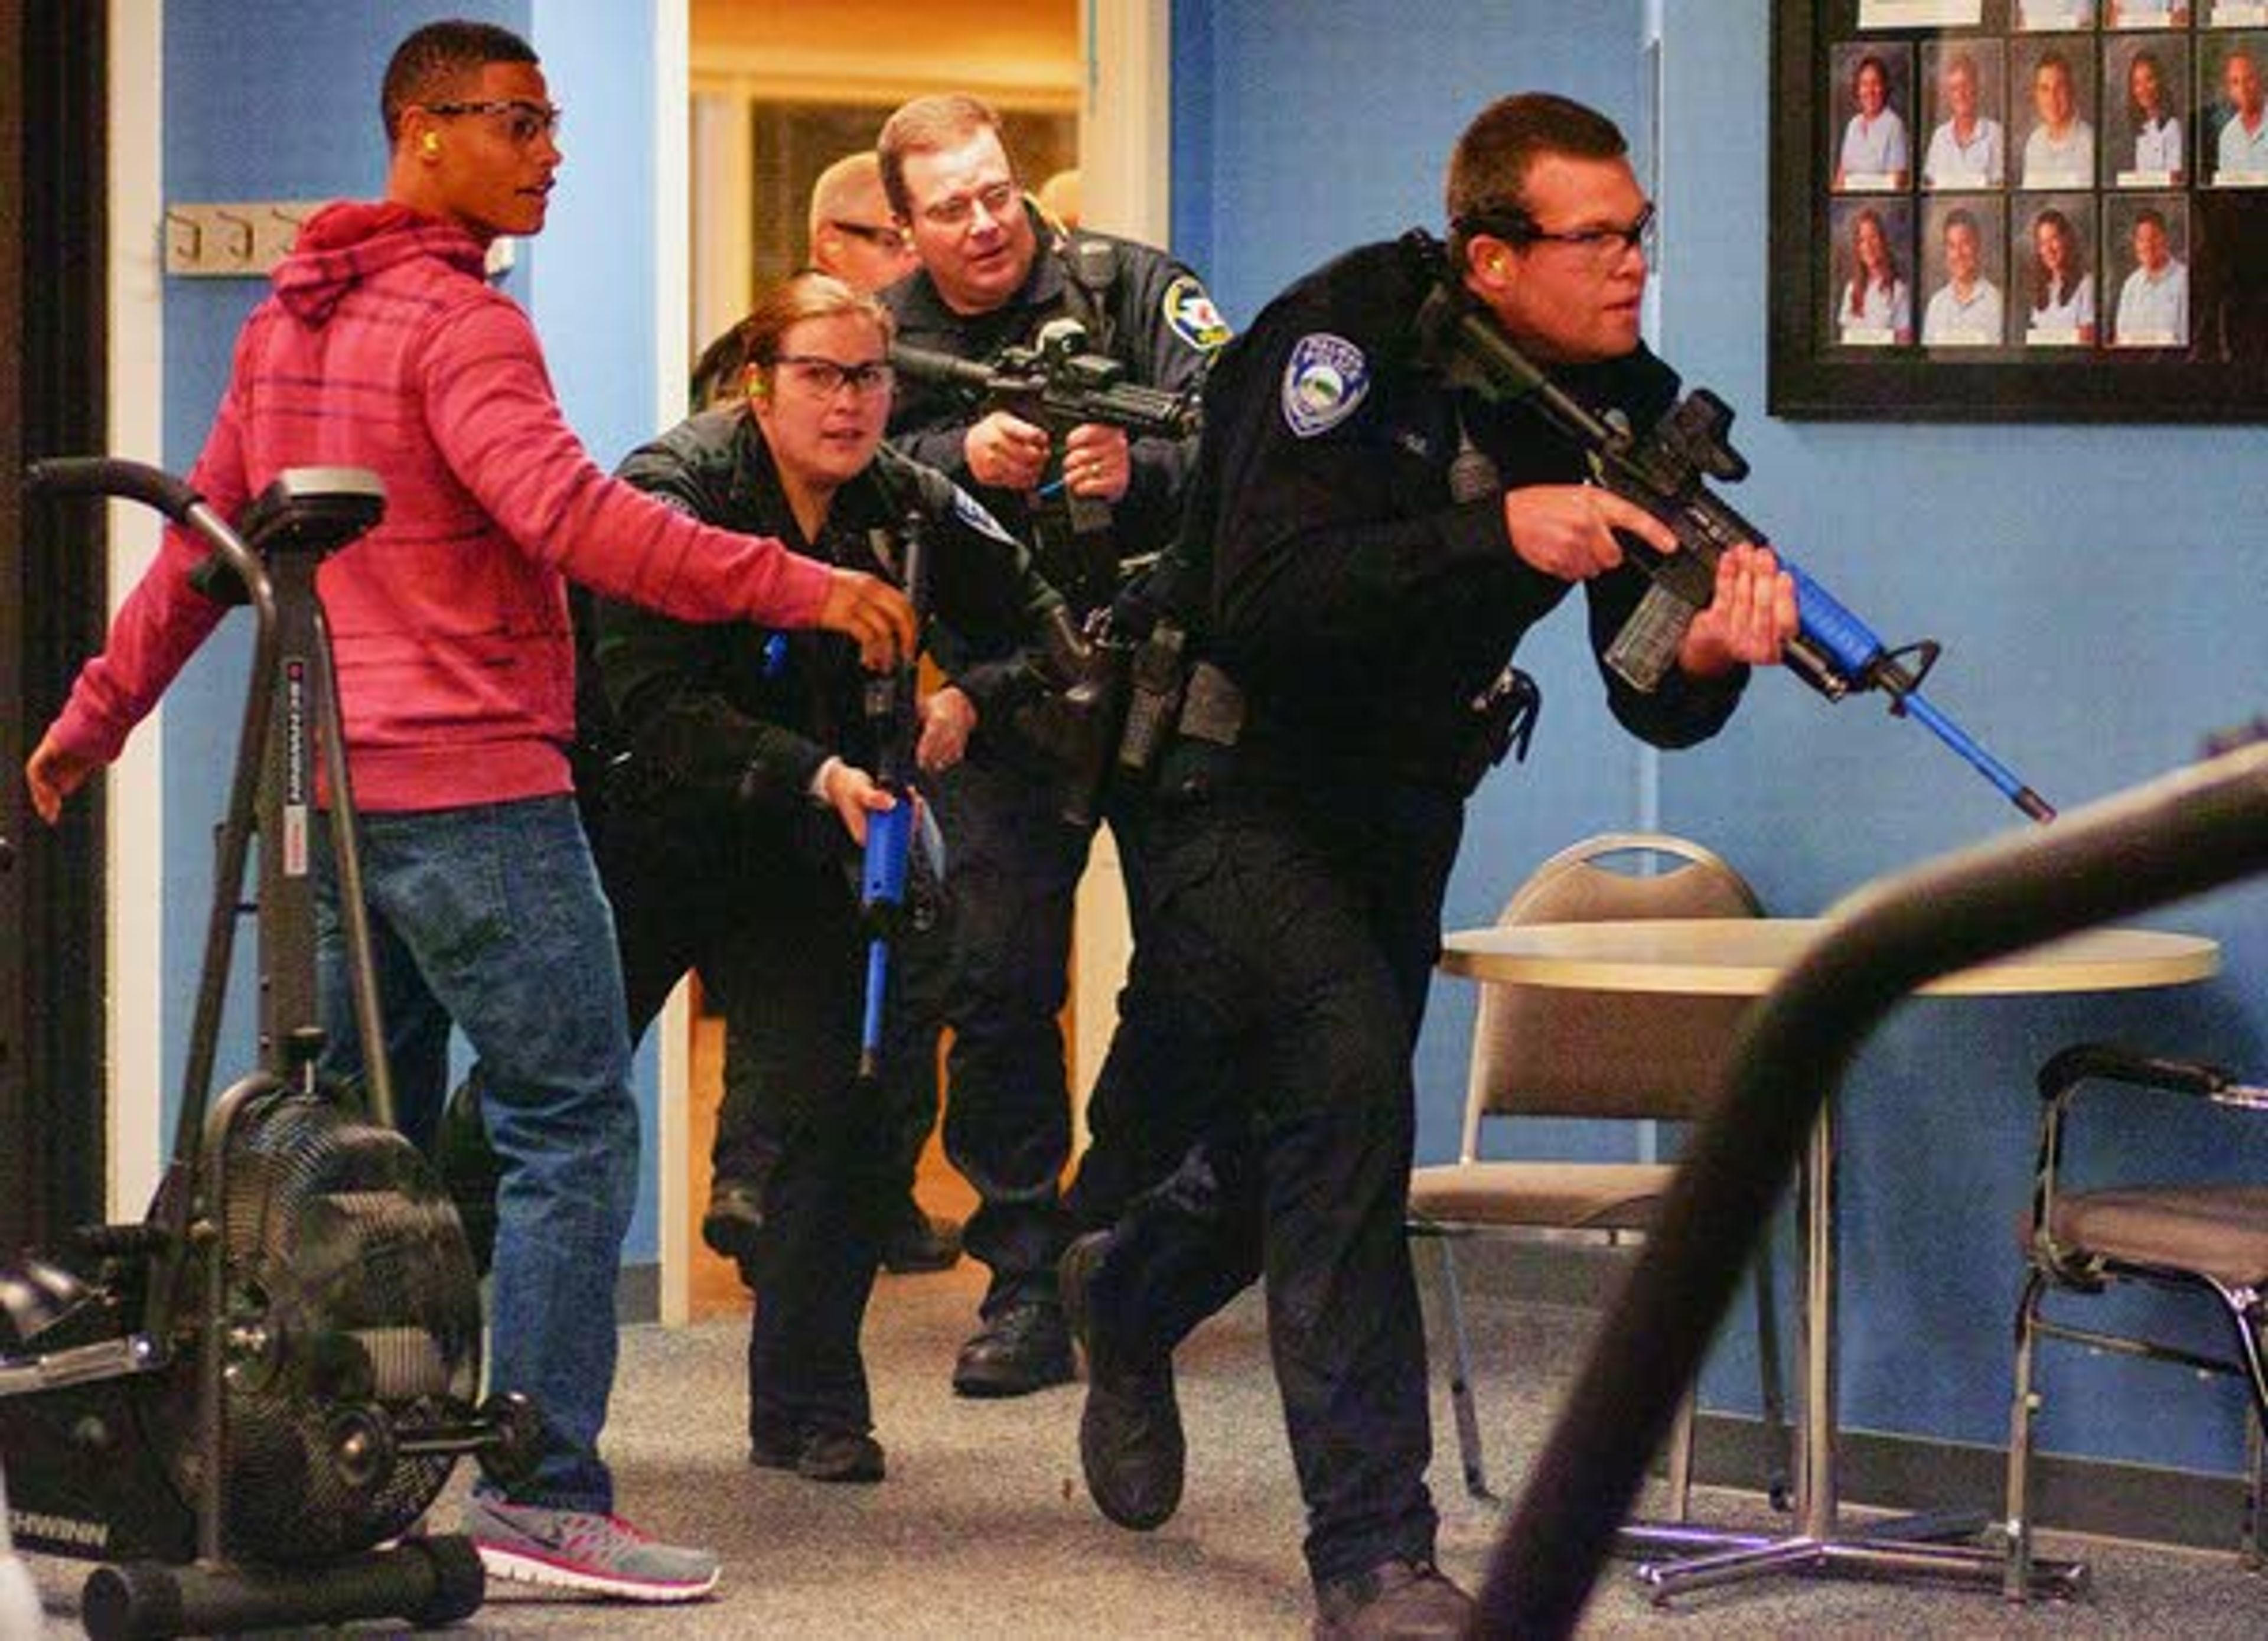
383	347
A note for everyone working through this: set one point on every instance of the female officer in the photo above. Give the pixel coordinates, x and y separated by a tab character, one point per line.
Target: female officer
730	839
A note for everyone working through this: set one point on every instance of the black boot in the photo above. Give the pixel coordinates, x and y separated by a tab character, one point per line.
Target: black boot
1024	1348
1130	1445
1408	1600
843	1456
735	1219
915	1243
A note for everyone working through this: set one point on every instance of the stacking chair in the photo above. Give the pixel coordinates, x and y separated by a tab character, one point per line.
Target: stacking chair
2208	1239
1549	1052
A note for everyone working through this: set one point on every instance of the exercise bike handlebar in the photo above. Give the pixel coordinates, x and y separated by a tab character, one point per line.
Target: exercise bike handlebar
112	476
302	513
108	476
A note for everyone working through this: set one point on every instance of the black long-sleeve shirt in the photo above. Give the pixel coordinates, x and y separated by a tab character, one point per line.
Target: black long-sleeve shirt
1154	318
1360	607
730	710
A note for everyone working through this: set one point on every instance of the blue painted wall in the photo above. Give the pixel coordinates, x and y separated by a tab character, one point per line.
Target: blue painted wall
2098	591
278	99
591	290
591	278
1300	129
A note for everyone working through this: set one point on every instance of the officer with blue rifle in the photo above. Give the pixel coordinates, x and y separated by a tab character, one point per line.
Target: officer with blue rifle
732	818
1367	542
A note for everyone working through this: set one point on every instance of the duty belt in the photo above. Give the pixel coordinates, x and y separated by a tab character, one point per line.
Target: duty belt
1499	720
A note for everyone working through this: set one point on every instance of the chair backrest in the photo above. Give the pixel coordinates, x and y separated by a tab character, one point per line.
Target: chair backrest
1547	1051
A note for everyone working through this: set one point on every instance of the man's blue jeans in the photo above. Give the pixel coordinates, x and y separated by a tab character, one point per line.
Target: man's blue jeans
490	917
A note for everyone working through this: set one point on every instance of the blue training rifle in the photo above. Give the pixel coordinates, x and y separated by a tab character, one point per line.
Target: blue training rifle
1665	472
883	872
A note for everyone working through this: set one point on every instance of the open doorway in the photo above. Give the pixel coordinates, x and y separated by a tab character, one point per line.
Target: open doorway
778	92
781	90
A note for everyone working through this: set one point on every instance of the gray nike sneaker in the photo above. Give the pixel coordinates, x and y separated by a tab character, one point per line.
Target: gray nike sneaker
578	1550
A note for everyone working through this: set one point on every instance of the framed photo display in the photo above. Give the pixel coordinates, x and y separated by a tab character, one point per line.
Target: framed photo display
2020	211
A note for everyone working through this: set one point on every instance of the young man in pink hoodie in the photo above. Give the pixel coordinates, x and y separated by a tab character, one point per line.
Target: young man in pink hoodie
384	347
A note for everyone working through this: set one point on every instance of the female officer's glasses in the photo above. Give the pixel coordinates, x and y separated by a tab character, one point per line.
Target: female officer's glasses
526	122
824	377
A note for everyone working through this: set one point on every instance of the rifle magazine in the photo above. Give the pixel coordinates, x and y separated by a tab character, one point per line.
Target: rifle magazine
1647	647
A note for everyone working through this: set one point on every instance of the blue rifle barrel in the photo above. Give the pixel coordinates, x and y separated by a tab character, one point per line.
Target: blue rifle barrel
1834	650
883	869
1833	627
881	898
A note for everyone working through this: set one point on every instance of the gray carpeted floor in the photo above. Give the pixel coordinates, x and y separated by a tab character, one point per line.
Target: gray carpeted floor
983	1529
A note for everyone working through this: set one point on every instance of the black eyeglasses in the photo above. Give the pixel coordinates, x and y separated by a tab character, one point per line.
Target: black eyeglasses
873	234
1604	246
826	377
529	120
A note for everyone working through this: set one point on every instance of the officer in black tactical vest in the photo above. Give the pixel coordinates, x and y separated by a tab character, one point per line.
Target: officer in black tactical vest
1094	501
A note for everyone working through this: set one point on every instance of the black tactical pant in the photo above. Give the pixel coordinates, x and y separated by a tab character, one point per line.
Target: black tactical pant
1293	934
771	926
1012	866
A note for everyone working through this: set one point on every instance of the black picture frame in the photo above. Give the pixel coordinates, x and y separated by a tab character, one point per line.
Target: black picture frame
1832	362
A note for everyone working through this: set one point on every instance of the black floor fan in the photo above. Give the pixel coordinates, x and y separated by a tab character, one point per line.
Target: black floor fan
244	1403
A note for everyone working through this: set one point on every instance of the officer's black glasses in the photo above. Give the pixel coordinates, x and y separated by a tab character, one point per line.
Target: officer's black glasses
1604	246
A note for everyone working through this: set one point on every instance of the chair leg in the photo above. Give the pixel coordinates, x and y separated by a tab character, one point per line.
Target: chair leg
2247	1317
1778	1440
2255	1492
2252	1545
1681	1457
1461	1376
2017	1580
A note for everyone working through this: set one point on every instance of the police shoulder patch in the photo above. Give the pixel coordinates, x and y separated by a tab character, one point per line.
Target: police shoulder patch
972	513
1325	381
1189	313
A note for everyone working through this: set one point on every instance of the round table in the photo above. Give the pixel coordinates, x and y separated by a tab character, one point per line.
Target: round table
1745	957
